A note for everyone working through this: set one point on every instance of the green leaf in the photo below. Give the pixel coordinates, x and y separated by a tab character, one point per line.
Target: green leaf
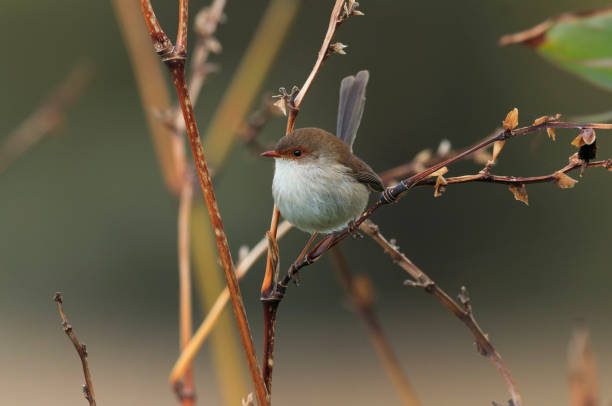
578	42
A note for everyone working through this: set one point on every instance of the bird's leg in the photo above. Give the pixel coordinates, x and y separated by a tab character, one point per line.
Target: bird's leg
300	258
353	230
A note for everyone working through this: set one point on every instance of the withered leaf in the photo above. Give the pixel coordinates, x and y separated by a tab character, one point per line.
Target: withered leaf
540	120
497	147
551	133
439	172
520	193
440	186
586	137
564	181
280	104
511	120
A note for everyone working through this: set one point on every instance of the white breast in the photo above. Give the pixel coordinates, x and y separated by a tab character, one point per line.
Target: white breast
315	199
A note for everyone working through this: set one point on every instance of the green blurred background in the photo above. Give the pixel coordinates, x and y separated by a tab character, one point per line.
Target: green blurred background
87	212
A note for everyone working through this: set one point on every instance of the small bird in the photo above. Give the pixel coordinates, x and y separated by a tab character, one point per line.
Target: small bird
319	185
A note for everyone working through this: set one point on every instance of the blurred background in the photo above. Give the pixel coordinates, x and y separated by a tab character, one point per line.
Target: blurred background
87	213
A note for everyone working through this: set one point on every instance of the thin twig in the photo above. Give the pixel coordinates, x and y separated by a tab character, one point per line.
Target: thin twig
47	118
186	390
81	349
359	289
174	58
294	101
463	311
393	194
215	311
574	163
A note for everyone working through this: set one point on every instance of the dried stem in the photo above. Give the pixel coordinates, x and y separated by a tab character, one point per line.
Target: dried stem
174	58
359	289
270	304
186	390
47	118
81	349
215	311
392	194
485	176
462	310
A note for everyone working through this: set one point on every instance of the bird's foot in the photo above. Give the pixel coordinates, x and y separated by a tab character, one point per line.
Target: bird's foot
353	230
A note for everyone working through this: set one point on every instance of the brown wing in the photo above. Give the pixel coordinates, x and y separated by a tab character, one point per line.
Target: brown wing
366	175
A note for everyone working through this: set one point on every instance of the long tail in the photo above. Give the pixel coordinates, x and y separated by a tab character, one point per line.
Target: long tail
351	105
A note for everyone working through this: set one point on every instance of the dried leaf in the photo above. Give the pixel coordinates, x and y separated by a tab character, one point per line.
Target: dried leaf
551	133
440	186
564	181
439	172
540	120
338	48
586	137
520	193
511	120
497	147
281	105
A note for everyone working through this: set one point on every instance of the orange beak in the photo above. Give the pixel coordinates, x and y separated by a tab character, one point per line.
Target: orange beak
271	154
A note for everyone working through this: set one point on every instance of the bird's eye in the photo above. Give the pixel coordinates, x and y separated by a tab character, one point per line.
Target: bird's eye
297	152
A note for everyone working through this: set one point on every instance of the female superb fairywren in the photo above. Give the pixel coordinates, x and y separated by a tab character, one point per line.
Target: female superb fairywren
319	185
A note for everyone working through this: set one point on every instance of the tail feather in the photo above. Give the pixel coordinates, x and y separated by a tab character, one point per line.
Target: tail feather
351	105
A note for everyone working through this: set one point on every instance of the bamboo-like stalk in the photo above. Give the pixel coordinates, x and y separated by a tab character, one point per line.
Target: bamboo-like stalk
186	391
174	58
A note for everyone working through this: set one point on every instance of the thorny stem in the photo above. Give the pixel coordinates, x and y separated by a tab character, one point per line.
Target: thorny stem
81	349
270	307
359	290
174	59
462	311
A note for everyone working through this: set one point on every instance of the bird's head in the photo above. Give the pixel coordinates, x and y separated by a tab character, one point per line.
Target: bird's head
310	145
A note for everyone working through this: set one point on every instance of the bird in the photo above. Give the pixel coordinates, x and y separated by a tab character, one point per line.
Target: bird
319	185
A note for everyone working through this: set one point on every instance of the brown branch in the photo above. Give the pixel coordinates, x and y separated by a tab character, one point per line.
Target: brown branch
359	289
214	313
339	14
186	390
174	59
485	176
393	194
47	118
462	310
81	350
